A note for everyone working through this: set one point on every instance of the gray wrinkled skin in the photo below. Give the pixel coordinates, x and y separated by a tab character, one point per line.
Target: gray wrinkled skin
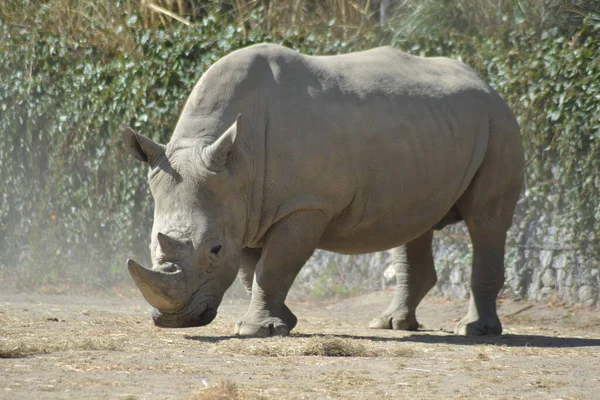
276	154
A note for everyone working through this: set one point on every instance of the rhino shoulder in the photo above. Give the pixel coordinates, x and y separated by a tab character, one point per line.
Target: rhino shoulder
231	79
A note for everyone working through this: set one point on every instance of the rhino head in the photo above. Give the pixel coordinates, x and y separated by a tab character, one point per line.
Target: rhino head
196	235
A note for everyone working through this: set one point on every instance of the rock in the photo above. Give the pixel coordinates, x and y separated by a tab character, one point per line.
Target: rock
588	295
545	293
456	276
546	258
561	261
549	278
389	275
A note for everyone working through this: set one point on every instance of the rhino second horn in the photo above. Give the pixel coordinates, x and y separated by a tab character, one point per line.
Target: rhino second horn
165	291
168	245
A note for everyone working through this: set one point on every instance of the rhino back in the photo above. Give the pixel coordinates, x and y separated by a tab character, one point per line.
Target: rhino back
383	142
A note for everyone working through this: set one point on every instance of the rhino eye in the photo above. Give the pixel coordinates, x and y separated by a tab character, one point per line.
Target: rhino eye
214	248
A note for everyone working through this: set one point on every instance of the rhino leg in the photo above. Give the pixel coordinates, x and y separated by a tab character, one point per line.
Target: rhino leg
287	246
415	276
487	279
487	207
248	261
487	227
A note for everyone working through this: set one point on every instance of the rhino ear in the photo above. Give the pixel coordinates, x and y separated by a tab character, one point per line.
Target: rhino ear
140	146
215	155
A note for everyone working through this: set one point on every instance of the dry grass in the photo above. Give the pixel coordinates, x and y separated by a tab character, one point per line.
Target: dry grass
22	348
346	380
324	346
207	364
350	16
334	347
102	21
224	390
12	346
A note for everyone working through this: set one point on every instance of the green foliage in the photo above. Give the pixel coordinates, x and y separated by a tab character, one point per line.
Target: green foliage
74	206
491	18
552	83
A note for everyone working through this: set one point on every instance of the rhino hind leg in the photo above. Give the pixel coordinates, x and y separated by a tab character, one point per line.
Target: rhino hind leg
488	225
415	276
487	279
287	246
487	207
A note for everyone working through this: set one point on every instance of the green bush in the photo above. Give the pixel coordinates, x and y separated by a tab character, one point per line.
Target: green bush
491	18
552	83
73	206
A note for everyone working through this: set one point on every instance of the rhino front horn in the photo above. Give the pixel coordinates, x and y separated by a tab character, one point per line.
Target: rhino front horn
164	290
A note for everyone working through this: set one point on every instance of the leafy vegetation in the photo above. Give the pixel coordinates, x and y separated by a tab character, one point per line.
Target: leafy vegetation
73	206
492	18
551	83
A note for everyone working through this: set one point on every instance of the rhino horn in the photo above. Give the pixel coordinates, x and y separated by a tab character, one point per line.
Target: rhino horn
164	290
168	245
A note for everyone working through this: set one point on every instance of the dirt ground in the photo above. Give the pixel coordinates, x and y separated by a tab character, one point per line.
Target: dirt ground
105	347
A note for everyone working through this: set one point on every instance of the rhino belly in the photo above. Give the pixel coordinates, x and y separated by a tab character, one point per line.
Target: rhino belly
382	229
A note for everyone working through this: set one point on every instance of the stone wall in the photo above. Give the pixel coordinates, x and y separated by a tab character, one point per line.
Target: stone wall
536	269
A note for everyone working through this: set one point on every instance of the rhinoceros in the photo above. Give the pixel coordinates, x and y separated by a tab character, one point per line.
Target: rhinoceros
277	154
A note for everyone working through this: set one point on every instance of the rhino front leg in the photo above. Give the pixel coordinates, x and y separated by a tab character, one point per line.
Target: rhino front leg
415	276
287	246
248	261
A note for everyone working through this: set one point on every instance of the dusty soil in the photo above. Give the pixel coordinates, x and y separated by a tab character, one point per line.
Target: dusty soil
68	347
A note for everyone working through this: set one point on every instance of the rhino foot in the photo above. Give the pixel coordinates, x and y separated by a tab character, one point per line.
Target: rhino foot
268	327
473	326
395	321
261	324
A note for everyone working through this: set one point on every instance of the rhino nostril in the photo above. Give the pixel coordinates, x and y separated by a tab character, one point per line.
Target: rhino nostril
170	268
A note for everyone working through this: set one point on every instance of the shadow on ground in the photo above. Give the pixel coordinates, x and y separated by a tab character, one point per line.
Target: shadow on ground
506	340
538	341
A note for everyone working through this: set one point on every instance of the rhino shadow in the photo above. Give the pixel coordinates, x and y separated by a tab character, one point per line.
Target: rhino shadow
508	340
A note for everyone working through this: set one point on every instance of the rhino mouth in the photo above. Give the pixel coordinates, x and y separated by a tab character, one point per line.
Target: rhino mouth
195	313
166	320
